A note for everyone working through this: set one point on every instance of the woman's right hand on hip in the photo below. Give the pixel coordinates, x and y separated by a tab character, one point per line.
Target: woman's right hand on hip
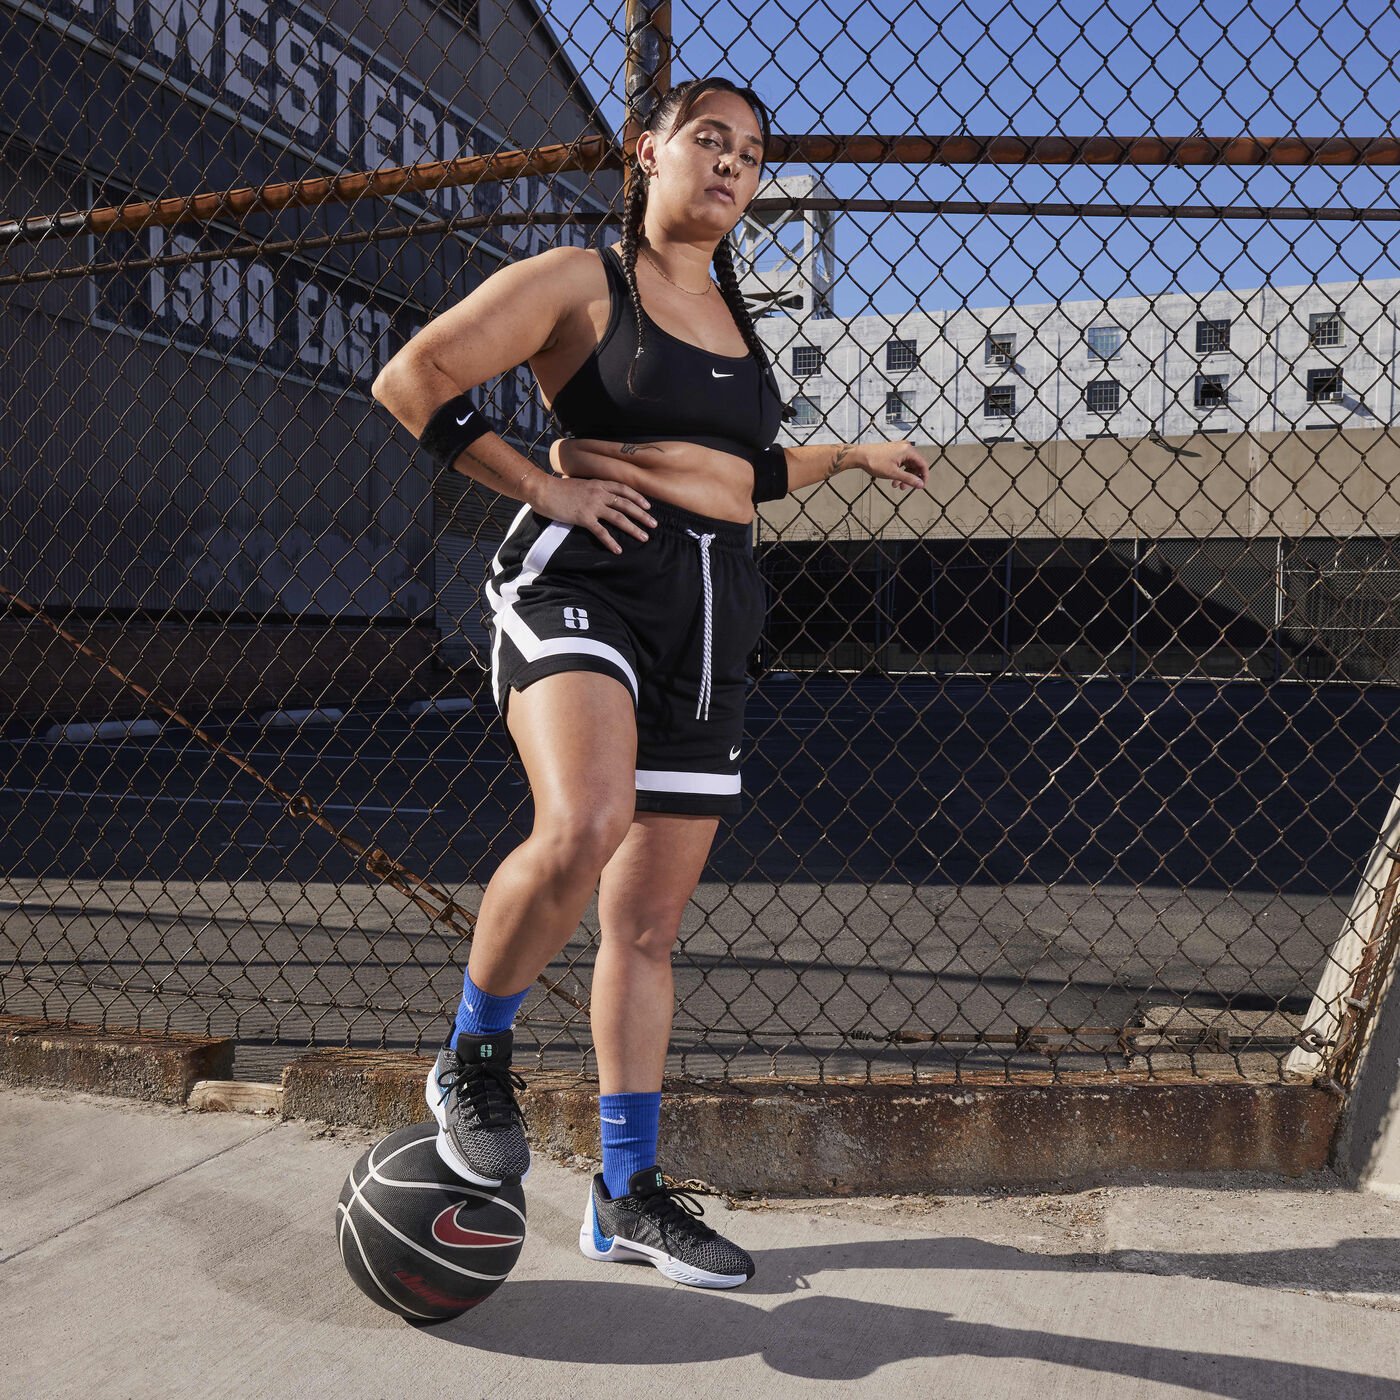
594	505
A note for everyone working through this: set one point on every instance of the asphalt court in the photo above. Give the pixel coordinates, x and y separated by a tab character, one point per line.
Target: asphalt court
924	854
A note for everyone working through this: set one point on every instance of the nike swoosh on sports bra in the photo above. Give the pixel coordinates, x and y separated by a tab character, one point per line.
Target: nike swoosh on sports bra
683	393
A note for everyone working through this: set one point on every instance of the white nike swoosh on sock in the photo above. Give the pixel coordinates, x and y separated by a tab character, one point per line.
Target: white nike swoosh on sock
606	1119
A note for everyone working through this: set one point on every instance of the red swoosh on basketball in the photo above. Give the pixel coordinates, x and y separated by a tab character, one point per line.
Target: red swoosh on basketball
446	1230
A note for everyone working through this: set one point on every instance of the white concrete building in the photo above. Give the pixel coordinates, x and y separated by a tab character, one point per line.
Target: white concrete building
1264	360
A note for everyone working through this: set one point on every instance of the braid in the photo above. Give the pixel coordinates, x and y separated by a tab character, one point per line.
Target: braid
729	286
631	238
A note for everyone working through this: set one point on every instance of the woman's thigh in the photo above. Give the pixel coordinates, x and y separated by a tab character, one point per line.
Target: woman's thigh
576	733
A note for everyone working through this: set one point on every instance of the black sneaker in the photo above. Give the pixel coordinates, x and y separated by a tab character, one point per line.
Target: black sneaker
661	1224
471	1091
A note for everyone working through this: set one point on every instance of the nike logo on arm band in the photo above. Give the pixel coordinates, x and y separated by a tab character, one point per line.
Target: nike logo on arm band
445	435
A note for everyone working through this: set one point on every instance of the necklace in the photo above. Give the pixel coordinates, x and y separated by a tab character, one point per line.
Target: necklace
709	286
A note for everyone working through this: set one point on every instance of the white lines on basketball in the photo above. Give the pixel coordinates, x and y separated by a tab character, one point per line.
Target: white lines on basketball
466	1188
357	1197
376	1172
369	1268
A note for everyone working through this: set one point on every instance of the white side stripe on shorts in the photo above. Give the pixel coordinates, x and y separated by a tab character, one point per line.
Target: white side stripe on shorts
492	600
657	780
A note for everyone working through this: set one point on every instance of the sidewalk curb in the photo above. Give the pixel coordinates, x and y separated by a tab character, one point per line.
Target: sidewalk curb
789	1137
159	1066
779	1136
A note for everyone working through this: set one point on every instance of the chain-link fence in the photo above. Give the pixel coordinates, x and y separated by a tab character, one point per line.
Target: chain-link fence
1073	762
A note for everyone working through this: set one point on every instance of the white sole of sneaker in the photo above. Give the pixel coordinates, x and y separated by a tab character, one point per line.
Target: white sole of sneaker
447	1149
620	1251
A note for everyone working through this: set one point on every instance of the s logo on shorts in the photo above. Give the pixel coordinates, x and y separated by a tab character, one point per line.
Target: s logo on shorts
576	618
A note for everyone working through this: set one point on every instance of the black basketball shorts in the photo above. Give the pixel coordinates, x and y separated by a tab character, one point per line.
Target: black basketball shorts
673	617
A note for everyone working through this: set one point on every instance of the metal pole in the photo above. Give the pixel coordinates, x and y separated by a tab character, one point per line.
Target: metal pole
647	75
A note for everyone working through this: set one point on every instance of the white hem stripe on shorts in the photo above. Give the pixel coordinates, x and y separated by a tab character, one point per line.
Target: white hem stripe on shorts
717	784
510	623
533	649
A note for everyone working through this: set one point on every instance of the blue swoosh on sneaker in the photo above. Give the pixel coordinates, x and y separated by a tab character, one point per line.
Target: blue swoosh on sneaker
601	1242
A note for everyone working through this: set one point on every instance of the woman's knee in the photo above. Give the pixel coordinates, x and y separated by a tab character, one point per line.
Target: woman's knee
579	840
644	933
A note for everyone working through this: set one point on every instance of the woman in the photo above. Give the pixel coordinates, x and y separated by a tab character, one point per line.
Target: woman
624	604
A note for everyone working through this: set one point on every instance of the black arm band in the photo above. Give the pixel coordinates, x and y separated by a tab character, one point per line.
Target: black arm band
453	426
770	474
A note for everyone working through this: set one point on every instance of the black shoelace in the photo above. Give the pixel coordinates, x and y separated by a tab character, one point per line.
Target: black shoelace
677	1212
488	1090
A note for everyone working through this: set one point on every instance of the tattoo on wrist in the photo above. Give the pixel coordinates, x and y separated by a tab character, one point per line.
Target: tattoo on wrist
838	460
492	476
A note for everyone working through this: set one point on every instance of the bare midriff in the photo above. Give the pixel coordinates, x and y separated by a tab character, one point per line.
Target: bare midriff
685	474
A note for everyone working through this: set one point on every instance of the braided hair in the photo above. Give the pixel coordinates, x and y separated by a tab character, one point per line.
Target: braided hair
670	112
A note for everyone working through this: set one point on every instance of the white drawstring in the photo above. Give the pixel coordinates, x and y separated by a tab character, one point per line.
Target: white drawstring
702	707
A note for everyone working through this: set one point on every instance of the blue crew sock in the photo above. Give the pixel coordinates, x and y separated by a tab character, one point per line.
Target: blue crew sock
630	1124
480	1013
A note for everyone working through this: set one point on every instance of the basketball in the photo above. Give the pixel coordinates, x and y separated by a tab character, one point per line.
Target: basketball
417	1239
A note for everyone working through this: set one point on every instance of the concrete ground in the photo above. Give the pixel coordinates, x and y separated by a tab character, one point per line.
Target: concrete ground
151	1252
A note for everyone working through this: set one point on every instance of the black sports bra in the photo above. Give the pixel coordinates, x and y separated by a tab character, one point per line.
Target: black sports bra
684	393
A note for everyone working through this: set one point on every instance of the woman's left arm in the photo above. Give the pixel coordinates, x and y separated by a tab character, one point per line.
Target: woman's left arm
812	462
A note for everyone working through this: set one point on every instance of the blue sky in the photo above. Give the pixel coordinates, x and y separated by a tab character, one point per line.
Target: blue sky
1079	67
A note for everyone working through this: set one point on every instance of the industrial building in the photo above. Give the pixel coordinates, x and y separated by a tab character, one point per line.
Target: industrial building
1186	484
196	476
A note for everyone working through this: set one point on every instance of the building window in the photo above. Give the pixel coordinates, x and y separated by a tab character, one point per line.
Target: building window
1210	391
806	359
1105	341
466	11
1324	386
999	403
1001	349
1325	329
1101	396
901	354
1212	336
809	410
898	409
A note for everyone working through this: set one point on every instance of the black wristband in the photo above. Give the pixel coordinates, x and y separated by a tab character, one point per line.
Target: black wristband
770	474
453	426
